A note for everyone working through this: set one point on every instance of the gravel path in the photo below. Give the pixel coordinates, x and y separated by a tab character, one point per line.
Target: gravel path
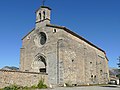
112	87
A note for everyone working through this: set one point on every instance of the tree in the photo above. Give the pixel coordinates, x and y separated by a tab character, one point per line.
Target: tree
118	67
118	62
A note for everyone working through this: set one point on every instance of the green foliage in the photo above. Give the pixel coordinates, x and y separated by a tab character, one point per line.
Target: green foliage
16	87
118	62
34	87
25	88
41	84
118	67
12	87
118	76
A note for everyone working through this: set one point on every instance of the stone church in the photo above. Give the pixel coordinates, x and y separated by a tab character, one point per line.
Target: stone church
63	55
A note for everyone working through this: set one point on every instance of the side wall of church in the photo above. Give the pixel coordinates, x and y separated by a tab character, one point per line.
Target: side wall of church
71	60
20	78
81	63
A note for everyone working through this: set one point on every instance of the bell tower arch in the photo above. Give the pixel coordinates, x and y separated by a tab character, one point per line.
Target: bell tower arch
43	16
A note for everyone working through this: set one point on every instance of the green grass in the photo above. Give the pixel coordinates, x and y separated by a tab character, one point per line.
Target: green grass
41	84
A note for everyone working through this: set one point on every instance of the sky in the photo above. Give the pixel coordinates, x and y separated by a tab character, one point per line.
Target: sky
98	21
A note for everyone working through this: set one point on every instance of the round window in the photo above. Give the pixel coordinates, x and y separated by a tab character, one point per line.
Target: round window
43	38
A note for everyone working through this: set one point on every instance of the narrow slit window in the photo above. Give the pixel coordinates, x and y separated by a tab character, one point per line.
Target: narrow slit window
43	14
40	15
72	60
90	62
101	72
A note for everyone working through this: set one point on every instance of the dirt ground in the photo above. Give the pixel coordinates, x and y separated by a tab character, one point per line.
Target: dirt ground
108	87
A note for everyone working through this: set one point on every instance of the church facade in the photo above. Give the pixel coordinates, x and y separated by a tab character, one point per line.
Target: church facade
64	55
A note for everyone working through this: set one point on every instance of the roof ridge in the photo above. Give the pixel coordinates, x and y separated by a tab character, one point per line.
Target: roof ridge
75	34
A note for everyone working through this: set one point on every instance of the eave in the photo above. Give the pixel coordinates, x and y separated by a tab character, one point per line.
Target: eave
73	33
28	33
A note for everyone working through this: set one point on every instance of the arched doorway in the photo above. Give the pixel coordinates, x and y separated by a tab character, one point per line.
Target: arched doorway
39	64
42	66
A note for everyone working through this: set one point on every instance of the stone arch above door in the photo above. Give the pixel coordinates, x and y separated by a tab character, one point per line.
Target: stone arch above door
39	63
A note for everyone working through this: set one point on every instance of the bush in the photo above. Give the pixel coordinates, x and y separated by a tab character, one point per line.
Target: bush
118	76
25	88
12	87
41	84
34	87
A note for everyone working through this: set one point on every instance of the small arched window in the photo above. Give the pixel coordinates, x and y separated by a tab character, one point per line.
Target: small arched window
72	60
95	76
91	76
54	30
90	62
43	14
40	15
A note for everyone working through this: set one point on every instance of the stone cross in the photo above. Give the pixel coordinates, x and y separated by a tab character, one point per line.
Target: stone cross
43	2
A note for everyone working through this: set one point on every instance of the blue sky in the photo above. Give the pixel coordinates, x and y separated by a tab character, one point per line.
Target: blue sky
96	20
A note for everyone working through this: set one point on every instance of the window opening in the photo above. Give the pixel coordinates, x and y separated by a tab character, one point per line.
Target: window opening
43	38
40	15
43	14
54	30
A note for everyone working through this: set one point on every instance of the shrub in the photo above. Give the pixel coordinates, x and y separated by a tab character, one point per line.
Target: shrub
25	88
41	84
12	87
34	87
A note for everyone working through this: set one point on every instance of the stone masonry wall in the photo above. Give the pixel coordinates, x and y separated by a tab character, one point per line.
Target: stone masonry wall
31	47
82	63
20	78
68	58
